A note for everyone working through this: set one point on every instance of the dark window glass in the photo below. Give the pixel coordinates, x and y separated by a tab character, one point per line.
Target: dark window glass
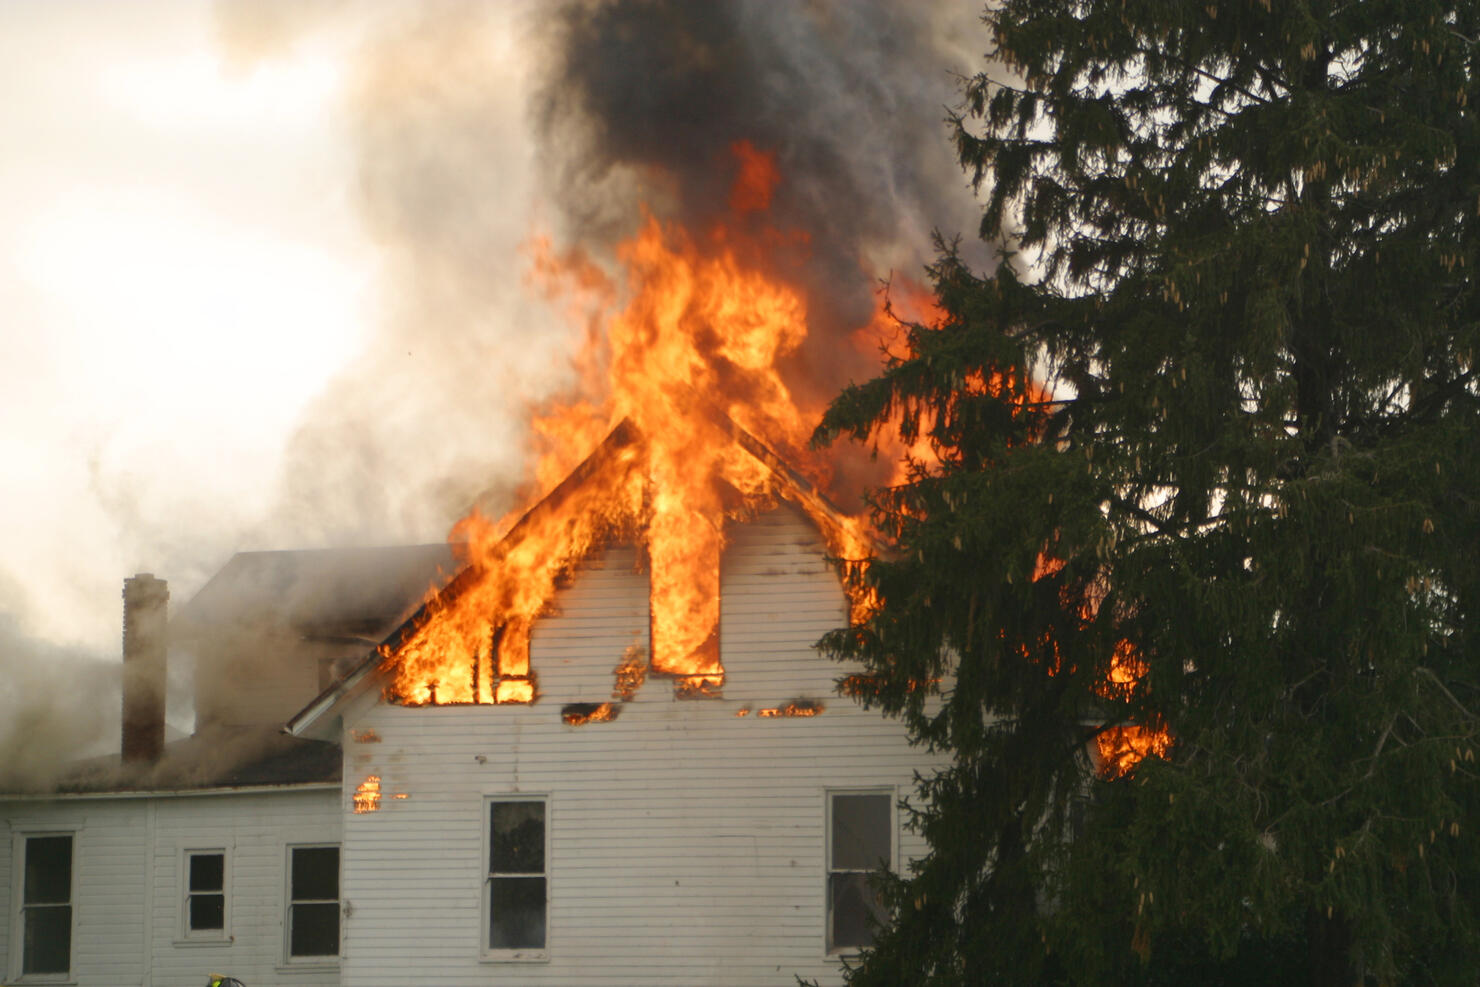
862	841
516	875
316	872
207	872
518	844
206	892
855	909
860	832
315	929
517	910
46	905
313	911
207	912
48	870
48	933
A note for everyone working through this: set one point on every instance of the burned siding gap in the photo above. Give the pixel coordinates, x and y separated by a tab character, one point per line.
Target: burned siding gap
797	707
579	714
365	736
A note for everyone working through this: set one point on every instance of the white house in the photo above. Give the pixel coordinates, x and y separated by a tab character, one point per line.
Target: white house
611	831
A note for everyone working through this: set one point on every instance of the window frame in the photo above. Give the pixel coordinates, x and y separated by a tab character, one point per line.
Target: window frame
204	936
488	954
888	792
20	838
315	959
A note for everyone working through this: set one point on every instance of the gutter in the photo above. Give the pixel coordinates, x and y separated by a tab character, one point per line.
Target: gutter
177	793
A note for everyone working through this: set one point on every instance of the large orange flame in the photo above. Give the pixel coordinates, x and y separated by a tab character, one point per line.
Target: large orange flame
681	377
680	393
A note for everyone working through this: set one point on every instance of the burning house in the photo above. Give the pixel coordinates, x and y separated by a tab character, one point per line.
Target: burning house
491	793
592	742
602	748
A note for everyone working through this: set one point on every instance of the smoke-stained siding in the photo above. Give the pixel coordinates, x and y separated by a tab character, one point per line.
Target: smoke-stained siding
687	842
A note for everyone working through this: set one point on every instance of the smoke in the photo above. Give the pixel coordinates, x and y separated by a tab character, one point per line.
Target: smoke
477	125
645	100
59	703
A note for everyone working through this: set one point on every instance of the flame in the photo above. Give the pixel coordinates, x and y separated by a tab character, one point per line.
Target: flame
1119	748
579	714
797	707
678	373
367	795
629	674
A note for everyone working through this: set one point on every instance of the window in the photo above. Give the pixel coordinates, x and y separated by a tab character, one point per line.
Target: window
313	902
205	894
860	842
516	894
46	905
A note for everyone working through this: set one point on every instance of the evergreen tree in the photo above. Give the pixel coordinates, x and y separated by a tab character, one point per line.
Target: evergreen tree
1205	466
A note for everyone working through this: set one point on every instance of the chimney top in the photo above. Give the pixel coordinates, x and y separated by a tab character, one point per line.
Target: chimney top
144	599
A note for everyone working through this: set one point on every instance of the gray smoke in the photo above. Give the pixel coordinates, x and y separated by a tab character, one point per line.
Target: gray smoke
479	124
645	100
58	703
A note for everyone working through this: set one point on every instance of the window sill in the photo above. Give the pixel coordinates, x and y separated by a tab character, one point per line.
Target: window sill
326	965
204	941
516	956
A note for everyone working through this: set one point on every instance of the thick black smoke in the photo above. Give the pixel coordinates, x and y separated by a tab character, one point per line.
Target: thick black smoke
647	99
475	125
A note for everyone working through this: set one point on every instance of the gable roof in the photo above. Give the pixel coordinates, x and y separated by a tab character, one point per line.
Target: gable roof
837	531
316	592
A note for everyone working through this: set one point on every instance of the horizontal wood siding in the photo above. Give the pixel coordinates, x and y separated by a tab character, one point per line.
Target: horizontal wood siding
126	856
109	862
687	841
255	830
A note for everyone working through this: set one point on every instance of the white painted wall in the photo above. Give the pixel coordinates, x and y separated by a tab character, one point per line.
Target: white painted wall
687	843
128	896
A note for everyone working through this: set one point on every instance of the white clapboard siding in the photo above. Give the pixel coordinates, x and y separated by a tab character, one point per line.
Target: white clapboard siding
687	842
128	894
255	830
109	862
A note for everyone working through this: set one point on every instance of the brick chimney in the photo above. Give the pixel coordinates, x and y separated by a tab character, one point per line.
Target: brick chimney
144	599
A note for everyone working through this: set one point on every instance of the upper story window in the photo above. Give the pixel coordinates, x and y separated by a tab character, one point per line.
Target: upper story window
860	842
46	905
517	882
205	894
313	902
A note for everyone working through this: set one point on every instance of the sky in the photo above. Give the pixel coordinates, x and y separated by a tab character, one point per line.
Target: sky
185	268
264	263
171	227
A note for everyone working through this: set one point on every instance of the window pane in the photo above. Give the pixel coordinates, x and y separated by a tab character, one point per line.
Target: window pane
207	872
861	830
48	935
854	909
207	911
315	930
517	913
315	873
518	843
48	870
